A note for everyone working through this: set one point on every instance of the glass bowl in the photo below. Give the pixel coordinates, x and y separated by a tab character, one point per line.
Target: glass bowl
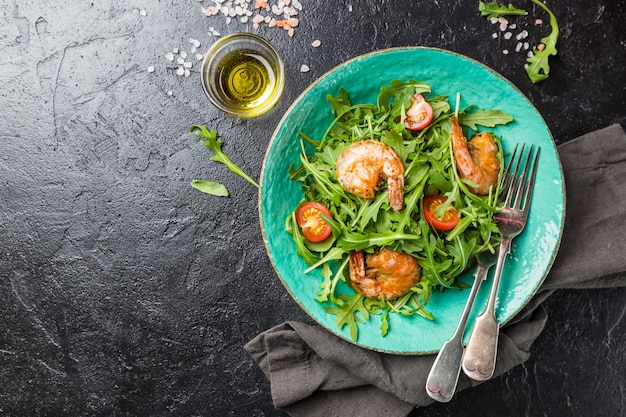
243	75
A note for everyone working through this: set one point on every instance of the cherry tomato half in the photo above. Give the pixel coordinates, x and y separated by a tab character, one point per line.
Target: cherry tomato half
419	115
314	228
450	218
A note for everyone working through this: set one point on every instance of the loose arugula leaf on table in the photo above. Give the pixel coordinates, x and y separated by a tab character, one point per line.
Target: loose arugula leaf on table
214	143
538	68
210	187
495	10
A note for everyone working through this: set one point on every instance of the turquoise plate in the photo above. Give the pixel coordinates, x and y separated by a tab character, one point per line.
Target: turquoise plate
447	73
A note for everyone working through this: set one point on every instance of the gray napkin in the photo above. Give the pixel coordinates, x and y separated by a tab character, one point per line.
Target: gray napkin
314	373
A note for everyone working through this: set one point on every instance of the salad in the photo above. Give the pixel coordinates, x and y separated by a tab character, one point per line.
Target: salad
385	188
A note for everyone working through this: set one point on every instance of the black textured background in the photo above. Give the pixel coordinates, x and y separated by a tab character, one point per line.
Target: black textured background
124	292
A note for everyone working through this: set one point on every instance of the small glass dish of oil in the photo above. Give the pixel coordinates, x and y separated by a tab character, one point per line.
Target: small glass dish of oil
243	75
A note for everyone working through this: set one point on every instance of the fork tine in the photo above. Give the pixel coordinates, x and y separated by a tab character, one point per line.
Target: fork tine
512	177
528	193
505	175
522	181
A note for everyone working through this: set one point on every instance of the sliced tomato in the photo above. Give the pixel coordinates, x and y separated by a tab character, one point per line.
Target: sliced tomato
450	218
314	228
419	115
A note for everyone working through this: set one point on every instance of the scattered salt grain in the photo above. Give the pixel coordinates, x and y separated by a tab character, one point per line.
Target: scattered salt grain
508	35
170	92
187	72
180	60
541	47
199	57
316	43
538	22
151	68
494	20
187	64
180	71
143	12
169	56
304	68
526	45
512	26
494	35
518	47
183	54
505	51
503	27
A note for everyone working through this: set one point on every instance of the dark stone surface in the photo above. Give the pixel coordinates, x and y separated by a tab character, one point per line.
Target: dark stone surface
124	292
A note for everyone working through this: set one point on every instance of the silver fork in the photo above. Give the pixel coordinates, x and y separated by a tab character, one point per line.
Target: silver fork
479	359
444	374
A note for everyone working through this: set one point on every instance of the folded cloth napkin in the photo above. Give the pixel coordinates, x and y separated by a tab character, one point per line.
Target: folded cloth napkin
314	373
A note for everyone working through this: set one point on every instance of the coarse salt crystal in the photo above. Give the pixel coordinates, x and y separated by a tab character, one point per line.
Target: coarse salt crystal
170	92
503	20
505	51
187	64
503	27
151	68
293	22
494	35
196	43
316	43
199	57
180	60
538	22
513	26
143	12
526	45
518	47
183	54
180	71
508	35
304	68
494	20
296	4
169	56
187	72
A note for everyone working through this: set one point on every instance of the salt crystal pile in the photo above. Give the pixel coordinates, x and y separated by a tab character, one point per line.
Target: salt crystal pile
281	14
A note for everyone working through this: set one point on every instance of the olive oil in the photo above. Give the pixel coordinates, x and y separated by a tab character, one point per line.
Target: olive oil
245	79
243	75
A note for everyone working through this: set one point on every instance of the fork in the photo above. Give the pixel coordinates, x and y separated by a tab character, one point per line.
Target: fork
479	359
444	374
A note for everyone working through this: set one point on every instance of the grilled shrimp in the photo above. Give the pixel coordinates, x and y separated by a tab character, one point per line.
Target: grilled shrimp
364	165
385	274
477	159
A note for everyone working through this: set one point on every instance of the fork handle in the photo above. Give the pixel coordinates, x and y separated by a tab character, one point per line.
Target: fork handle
479	359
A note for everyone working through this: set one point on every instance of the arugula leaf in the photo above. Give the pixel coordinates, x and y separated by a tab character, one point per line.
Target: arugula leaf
538	68
215	144
495	10
210	187
402	91
347	315
488	118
